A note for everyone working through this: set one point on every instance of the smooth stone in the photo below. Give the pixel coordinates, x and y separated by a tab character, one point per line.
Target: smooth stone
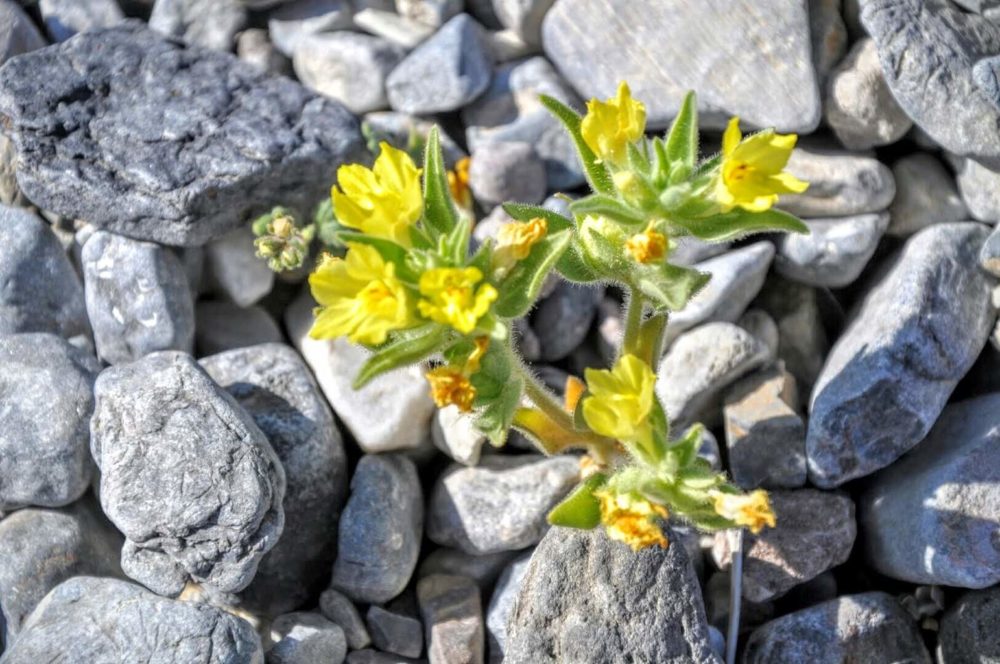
209	23
429	12
802	338
88	619
138	298
398	129
452	613
47	392
481	568
925	194
840	184
340	610
562	320
835	251
18	33
349	67
291	24
222	326
978	186
41	291
385	23
254	48
65	18
502	605
455	433
445	72
916	333
970	629
499	505
380	529
523	17
760	324
306	638
234	271
394	632
688	250
587	599
869	627
186	475
828	34
989	255
507	171
190	143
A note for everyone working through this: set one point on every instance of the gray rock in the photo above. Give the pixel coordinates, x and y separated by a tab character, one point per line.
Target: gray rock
380	529
562	320
394	632
341	611
87	619
399	129
815	532
291	24
507	171
189	143
47	391
369	656
209	23
665	49
827	33
918	330
453	619
502	605
802	339
483	569
378	19
273	384
222	326
835	251
138	298
254	48
41	292
978	186
760	324
10	194
925	194
18	33
588	599
930	518
840	184
444	73
870	627
455	433
349	67
859	106
65	18
186	475
501	504
523	17
928	50
306	638
429	12
551	142
234	271
514	91
970	629
989	255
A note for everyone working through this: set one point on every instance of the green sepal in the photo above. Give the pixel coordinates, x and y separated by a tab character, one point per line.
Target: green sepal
581	508
440	215
596	172
607	206
637	159
737	223
403	348
498	393
685	448
571	264
682	140
455	245
520	288
668	287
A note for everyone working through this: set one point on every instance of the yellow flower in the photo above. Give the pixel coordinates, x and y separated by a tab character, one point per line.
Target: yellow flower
451	299
383	201
482	344
609	126
752	172
632	520
648	246
451	387
360	297
620	399
572	393
515	240
458	182
752	510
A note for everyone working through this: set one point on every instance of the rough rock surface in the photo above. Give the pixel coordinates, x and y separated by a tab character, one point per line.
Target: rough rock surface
502	604
970	629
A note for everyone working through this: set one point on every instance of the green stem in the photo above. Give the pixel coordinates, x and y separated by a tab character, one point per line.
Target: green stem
633	322
651	337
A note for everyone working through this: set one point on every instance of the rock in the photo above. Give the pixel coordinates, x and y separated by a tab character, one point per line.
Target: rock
189	143
925	195
455	434
772	84
523	17
429	12
550	141
915	334
505	171
859	106
737	277
47	391
978	186
502	605
138	298
989	255
840	184
835	251
222	326
765	434
562	320
209	23
186	475
392	412
10	194
588	599
828	35
65	18
273	384
349	67
395	633
291	24
499	505
815	532
41	548
398	129
760	324
254	48
870	627
369	656
305	638
700	364
970	628
930	517
483	569
927	51
444	73
382	22
453	619
802	339
18	33
380	529
234	271
87	619
690	250
341	611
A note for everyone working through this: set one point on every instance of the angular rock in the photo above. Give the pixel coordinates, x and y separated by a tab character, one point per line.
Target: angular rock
209	23
47	392
835	251
349	67
978	186
502	605
507	171
499	505
234	271
87	619
453	619
925	194
455	434
840	184
18	33
186	475
222	326
305	638
380	529
138	298
562	320
627	606
395	633
189	143
291	24
885	381
970	628
65	18
341	611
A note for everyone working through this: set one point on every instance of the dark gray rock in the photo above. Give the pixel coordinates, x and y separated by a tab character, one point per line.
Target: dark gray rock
87	619
502	605
507	171
870	627
978	185
483	568
586	598
65	18
380	529
47	392
395	632
840	184
970	629
562	320
835	251
234	272
189	143
925	194
802	339
349	67
340	610
41	291
306	638
138	298
18	33
292	23
222	326
209	23
186	475
369	656
273	384
918	330
452	612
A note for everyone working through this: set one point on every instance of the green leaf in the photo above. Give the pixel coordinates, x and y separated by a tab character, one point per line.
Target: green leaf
456	243
607	206
522	212
686	447
439	210
670	287
498	393
682	139
520	288
736	224
596	173
403	348
581	508
571	264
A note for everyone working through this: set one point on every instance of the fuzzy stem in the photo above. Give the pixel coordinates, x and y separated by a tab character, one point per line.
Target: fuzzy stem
735	593
651	339
633	322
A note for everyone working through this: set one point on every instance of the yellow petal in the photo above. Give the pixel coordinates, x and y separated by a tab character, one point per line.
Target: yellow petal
731	137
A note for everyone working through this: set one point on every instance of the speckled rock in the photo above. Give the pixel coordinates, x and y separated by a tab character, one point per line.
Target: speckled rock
452	613
835	251
840	184
970	629
348	66
306	638
209	23
502	604
925	194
